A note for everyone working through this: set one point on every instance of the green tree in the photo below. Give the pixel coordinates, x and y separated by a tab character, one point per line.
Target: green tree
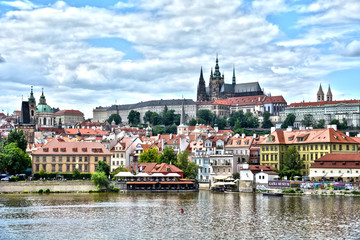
100	180
320	124
250	121
42	173
192	122
168	117
239	115
222	123
177	119
155	119
168	156
13	160
18	137
151	155
171	129
76	173
289	121
308	120
114	117
147	116
266	120
206	115
134	117
190	168
236	175
157	130
103	167
292	163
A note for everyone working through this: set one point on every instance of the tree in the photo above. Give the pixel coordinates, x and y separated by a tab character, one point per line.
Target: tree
168	156
18	137
151	155
192	122
103	167
250	121
236	175
266	120
168	117
308	120
114	117
134	117
14	160
177	119
42	172
157	130
76	173
190	168
289	121
155	119
205	115
320	124
239	115
292	164
222	123
171	129
100	180
147	116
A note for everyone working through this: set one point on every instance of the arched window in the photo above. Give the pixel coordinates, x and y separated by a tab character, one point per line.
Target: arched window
32	113
44	121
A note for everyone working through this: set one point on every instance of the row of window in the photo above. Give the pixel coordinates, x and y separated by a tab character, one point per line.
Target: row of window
67	159
331	171
312	147
117	163
63	167
117	155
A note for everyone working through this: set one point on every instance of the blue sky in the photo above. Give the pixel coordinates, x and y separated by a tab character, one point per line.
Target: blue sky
92	53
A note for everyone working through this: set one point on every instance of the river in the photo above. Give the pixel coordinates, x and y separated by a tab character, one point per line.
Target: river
158	216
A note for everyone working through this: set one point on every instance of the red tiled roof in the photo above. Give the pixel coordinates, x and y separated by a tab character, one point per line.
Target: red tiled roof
226	131
274	99
56	147
68	111
338	160
204	103
250	100
307	104
2	115
221	102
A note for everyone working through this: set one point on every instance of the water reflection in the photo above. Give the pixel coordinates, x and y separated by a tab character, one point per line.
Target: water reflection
149	216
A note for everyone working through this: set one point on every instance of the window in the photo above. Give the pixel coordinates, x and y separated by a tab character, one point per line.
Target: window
80	159
326	146
80	167
68	167
104	159
53	167
44	159
311	147
60	158
73	167
272	148
334	147
60	167
275	157
340	147
85	159
44	167
85	168
316	147
37	167
321	146
53	158
224	170
303	148
347	147
68	159
259	177
96	159
275	148
74	159
37	158
353	147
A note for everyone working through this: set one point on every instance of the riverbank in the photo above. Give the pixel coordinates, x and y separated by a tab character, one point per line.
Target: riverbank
53	186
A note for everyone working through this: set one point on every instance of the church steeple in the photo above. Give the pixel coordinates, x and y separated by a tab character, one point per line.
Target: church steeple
320	94
42	98
217	71
329	95
234	78
201	90
31	98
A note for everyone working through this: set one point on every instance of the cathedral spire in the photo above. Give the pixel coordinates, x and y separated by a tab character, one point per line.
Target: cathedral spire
329	94
234	78
42	98
31	98
201	90
320	94
217	72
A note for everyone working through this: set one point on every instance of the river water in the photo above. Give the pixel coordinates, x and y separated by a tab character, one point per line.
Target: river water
157	216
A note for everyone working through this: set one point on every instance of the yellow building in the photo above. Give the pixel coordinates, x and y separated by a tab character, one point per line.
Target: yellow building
310	144
57	156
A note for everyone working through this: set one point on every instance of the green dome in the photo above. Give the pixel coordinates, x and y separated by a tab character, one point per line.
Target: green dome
44	108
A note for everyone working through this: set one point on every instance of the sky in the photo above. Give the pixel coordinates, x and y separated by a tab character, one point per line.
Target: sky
96	53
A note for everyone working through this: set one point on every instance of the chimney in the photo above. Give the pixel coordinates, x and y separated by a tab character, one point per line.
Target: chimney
334	126
289	129
243	135
347	134
170	135
254	135
273	129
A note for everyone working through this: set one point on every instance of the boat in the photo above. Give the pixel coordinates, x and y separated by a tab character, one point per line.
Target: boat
273	192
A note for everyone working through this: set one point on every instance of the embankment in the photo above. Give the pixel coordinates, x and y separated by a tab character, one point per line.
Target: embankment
53	186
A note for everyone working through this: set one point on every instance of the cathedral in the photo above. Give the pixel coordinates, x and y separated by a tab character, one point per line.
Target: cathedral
218	89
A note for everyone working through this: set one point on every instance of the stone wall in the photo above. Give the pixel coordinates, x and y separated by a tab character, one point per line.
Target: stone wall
245	186
54	186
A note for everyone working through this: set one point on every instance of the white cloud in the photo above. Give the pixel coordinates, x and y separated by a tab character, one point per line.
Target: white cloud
22	5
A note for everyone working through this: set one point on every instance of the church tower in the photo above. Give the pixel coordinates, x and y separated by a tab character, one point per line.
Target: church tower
201	90
216	82
233	80
329	95
32	106
320	94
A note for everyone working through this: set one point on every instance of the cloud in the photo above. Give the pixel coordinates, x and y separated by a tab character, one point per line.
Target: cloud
352	49
2	59
47	46
22	5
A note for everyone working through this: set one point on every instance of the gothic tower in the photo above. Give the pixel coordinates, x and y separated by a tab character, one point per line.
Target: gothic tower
320	94
201	90
233	80
32	106
216	82
329	95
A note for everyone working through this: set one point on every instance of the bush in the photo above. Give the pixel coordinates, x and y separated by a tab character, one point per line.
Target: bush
47	190
40	191
114	189
355	192
100	180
